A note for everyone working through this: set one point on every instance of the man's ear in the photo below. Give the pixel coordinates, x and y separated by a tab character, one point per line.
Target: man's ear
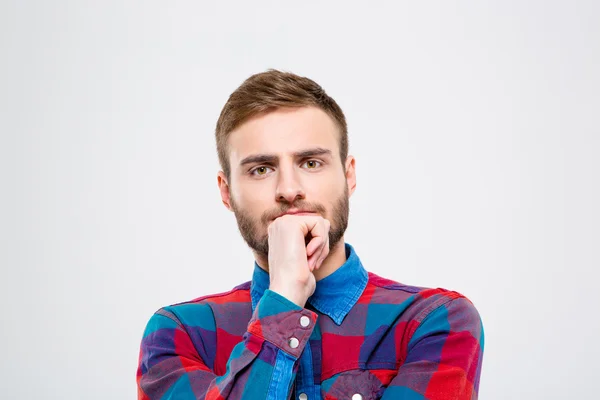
351	174
224	190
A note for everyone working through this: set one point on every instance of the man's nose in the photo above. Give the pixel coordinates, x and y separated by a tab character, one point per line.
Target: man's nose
289	187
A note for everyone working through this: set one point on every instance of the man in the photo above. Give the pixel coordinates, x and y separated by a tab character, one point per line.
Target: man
312	323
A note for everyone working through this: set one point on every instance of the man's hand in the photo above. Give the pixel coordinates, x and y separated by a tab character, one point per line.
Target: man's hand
291	259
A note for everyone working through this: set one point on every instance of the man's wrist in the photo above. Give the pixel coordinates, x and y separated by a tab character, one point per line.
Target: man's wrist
291	295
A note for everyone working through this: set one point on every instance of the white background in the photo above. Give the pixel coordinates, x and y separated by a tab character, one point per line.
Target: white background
475	127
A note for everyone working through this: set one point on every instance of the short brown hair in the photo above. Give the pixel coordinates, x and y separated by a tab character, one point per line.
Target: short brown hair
267	91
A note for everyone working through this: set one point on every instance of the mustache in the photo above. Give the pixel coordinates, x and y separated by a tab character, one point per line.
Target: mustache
311	207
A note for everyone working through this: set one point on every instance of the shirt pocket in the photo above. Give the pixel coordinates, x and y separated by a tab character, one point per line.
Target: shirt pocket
356	384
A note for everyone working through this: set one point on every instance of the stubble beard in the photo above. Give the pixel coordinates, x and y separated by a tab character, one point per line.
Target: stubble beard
252	230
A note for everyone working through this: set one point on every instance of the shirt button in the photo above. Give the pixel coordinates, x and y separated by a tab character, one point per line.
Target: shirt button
304	321
293	342
357	396
303	396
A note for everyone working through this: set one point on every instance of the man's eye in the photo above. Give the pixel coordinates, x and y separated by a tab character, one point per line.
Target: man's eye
260	170
312	164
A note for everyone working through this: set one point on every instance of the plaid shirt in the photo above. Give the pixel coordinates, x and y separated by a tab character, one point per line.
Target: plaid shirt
360	337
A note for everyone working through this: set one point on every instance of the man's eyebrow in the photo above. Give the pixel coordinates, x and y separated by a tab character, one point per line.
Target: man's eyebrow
271	158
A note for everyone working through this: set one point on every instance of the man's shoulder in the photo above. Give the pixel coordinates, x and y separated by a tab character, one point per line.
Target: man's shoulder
416	301
397	290
201	311
239	294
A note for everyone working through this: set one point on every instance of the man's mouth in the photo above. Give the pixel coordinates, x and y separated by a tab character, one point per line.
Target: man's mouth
296	212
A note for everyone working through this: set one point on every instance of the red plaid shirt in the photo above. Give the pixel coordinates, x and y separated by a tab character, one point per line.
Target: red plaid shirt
360	337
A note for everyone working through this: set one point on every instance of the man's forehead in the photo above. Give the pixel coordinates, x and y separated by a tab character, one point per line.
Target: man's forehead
284	133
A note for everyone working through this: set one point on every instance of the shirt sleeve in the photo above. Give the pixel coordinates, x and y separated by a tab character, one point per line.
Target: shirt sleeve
262	366
444	356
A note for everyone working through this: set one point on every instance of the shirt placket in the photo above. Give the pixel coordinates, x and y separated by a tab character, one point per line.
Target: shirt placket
306	388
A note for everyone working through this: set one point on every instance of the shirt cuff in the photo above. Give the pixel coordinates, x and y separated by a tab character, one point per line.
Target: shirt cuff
283	323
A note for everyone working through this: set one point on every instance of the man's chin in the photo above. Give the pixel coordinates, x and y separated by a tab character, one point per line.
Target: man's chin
259	249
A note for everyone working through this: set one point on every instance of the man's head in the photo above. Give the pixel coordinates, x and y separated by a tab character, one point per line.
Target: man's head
283	145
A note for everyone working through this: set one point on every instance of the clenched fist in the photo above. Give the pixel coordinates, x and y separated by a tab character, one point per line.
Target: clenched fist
292	260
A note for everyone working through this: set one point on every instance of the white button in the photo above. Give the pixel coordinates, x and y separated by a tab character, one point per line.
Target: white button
357	396
303	396
304	321
293	342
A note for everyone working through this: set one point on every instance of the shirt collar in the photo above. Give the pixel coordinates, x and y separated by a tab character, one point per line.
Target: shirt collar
335	295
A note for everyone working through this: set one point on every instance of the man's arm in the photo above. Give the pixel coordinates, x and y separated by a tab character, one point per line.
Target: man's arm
261	366
444	356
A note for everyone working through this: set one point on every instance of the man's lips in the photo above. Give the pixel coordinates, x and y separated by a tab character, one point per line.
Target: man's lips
296	212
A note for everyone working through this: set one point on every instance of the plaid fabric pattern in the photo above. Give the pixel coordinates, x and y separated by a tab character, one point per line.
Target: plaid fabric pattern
393	342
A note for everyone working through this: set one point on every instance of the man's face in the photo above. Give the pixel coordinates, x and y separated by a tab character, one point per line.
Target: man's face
287	159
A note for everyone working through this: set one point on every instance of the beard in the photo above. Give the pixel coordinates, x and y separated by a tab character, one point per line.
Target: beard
254	231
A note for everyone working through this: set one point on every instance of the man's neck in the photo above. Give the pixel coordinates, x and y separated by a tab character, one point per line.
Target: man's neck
335	259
